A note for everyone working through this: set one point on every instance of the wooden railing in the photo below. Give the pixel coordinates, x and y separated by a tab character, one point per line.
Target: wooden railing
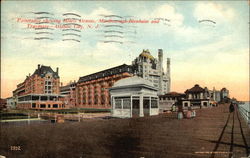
245	113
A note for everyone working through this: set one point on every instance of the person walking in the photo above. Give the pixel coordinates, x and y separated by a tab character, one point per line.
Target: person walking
231	107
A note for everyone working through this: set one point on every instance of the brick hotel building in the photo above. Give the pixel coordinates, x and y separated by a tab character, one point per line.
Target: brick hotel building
39	90
92	90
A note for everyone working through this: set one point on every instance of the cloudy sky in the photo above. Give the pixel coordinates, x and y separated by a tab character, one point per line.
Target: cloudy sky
208	42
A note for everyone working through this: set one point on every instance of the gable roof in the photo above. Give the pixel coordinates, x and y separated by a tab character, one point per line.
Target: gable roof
43	70
195	89
224	89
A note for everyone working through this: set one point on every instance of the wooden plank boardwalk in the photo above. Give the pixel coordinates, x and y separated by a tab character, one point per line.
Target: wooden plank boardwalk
214	133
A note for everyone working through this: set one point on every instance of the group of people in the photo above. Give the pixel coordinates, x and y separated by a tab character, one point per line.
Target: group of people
190	113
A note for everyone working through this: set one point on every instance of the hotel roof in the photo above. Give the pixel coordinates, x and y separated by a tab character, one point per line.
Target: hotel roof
108	72
43	70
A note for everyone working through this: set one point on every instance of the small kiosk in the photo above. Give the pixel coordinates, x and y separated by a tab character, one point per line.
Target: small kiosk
134	97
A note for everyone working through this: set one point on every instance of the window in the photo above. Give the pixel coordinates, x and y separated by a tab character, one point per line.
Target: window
42	106
55	105
136	104
118	103
154	104
33	105
48	105
185	104
126	103
52	98
35	97
27	98
44	98
145	103
48	86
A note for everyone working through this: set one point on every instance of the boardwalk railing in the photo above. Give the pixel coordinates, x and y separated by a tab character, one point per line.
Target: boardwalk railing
245	113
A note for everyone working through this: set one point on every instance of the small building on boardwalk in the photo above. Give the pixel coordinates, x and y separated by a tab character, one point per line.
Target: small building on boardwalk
196	96
167	100
134	97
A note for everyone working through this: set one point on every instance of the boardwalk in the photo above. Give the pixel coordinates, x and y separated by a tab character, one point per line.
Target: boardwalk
233	136
214	133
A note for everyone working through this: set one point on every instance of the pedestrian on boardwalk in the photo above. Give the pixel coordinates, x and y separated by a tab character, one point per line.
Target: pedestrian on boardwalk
231	107
180	112
193	113
173	108
189	113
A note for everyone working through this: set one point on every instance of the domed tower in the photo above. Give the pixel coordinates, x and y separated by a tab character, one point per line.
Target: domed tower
143	63
151	69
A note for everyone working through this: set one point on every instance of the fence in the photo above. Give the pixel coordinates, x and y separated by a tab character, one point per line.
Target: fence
244	112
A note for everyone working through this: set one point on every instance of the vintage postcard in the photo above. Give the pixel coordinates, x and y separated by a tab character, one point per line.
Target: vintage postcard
124	79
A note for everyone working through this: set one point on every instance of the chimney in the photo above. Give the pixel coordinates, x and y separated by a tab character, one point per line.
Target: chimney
38	66
57	71
168	66
160	56
160	59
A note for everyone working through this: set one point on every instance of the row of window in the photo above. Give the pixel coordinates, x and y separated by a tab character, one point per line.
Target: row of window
126	103
41	98
44	105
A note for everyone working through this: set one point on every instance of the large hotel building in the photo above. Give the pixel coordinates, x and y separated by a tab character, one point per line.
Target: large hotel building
92	90
42	89
149	68
39	90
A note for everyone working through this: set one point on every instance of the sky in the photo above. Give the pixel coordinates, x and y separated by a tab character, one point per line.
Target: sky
207	42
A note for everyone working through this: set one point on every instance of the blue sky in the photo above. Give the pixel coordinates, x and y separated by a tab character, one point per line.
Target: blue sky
205	53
